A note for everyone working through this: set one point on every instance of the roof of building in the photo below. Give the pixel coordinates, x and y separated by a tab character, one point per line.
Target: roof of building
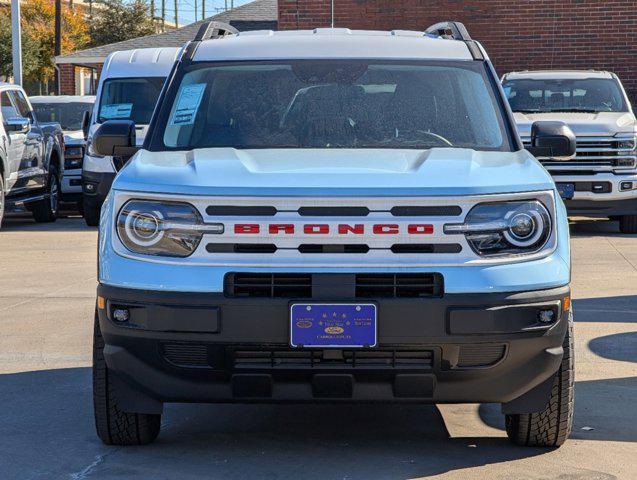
331	43
62	98
557	74
256	15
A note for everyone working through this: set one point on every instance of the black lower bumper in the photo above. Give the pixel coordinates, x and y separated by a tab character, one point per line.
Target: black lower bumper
95	187
201	347
594	208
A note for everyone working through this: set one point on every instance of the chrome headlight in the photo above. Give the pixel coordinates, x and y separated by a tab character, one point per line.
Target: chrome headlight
168	229
505	228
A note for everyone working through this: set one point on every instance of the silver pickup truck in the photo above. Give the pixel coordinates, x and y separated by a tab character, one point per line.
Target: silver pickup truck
31	158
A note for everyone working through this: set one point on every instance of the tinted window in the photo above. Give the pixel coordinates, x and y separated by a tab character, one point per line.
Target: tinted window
129	98
68	115
21	104
335	104
583	95
8	110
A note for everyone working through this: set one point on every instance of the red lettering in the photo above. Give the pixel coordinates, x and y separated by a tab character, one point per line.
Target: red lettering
316	228
385	229
420	229
246	228
287	228
344	229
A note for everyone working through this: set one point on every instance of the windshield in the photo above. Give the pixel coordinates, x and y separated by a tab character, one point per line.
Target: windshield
334	104
68	115
582	95
129	98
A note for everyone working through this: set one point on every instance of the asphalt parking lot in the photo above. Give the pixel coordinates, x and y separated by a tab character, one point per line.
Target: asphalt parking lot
47	286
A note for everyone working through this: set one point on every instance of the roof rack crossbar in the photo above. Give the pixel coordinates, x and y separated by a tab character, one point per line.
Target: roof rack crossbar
449	30
212	30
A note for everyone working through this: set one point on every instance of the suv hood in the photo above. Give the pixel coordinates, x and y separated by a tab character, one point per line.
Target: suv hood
227	171
600	124
74	137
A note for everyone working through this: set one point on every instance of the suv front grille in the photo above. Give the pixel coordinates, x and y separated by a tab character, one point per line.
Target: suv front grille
300	285
340	359
400	285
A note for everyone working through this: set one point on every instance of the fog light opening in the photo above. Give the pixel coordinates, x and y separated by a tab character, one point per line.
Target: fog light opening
546	316
121	315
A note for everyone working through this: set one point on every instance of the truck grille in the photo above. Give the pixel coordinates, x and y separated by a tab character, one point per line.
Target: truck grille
368	285
595	153
480	355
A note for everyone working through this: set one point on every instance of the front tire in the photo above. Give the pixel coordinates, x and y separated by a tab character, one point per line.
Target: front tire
91	213
628	224
1	199
552	426
47	210
113	425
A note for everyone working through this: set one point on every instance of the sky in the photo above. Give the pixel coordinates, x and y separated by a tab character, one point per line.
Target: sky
186	9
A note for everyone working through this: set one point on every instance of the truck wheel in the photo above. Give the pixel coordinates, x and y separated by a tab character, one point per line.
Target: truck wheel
114	426
552	426
47	210
1	199
628	224
91	214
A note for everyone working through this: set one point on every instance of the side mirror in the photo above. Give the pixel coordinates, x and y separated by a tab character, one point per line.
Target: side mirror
86	122
17	125
553	140
115	138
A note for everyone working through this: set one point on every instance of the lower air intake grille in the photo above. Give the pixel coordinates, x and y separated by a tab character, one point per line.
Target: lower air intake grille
400	285
190	355
481	355
337	359
268	285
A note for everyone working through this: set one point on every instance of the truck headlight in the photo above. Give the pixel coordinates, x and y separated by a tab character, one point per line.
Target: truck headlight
169	229
520	227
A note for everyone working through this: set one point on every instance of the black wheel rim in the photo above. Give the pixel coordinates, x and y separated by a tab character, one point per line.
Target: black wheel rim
53	194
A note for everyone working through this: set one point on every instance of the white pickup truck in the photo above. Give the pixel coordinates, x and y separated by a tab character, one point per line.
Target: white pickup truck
601	181
31	158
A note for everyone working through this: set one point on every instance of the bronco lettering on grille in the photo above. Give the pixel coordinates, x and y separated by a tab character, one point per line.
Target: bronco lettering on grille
340	229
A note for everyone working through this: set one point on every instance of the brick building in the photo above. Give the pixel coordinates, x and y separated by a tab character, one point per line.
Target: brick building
518	34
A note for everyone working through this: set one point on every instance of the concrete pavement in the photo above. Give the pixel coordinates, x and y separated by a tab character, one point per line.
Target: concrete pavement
47	284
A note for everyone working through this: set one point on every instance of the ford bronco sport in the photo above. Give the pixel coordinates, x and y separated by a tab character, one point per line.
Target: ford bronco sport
601	181
333	216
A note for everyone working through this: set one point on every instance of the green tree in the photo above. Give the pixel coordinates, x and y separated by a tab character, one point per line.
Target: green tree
38	37
118	20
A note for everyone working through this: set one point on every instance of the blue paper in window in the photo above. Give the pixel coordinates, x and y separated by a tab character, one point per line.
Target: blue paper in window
187	104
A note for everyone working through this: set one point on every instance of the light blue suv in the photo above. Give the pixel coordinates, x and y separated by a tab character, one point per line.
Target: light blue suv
333	216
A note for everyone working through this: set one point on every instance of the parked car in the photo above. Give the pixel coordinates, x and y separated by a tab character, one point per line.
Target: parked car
31	158
70	112
129	87
601	181
333	216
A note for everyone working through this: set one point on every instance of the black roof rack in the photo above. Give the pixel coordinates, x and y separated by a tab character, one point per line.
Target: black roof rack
449	30
212	30
207	31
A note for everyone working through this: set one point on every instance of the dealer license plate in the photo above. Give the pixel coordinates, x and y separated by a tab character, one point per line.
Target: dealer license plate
333	325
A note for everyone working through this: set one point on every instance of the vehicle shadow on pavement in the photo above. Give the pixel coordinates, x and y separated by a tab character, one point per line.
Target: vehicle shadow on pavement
593	420
596	227
619	346
47	423
620	309
25	223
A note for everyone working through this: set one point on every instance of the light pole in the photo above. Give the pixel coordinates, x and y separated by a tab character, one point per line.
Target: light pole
16	42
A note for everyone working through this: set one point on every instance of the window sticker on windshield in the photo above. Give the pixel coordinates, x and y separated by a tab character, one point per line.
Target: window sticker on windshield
187	104
116	110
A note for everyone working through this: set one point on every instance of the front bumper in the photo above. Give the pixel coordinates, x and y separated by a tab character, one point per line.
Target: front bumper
601	194
95	187
204	347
